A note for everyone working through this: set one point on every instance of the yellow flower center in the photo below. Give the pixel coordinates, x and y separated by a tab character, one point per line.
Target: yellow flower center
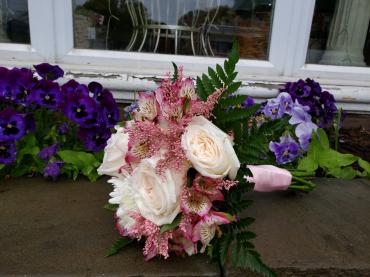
9	126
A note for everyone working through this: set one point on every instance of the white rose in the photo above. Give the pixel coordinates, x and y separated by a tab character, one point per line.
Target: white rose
122	195
157	197
209	149
114	153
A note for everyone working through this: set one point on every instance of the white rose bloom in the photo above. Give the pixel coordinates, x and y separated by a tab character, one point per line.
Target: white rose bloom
157	197
122	195
114	153
209	149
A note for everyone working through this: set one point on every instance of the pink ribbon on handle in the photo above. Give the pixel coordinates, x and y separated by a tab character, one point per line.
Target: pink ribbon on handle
267	178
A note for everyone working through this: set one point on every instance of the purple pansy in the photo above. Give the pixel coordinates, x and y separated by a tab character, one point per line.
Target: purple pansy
285	103
271	109
69	87
47	94
48	152
309	93
303	132
248	102
286	151
12	125
48	71
63	128
52	170
299	115
81	109
95	139
8	152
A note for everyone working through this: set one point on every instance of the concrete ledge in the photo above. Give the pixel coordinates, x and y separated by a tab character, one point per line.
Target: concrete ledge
61	229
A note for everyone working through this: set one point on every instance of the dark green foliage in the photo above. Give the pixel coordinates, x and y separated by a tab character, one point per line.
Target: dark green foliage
111	207
175	72
118	245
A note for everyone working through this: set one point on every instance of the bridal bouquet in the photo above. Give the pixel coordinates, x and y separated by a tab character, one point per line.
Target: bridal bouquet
176	169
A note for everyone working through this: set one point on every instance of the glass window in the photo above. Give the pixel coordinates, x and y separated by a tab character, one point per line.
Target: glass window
14	26
186	27
340	33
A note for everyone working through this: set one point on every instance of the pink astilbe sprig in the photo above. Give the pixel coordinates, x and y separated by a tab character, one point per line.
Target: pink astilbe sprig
205	108
155	243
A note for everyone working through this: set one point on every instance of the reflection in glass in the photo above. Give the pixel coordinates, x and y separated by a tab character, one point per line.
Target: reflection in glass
340	33
186	27
14	26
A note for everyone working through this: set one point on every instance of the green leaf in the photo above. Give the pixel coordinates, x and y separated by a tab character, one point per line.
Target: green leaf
364	165
330	158
221	73
323	138
343	173
111	207
200	90
173	225
232	88
2	166
118	246
237	115
214	78
307	164
175	72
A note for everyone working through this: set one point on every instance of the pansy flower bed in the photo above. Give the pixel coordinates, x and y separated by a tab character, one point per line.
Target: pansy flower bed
51	129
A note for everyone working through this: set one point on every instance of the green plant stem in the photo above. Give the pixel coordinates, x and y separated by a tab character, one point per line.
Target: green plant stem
336	128
307	185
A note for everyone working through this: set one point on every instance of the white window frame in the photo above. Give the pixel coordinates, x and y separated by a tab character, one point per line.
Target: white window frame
51	31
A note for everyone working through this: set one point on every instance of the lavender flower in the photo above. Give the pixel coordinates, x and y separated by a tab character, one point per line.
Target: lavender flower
285	103
48	152
8	152
286	151
12	125
271	109
48	71
248	102
303	132
53	169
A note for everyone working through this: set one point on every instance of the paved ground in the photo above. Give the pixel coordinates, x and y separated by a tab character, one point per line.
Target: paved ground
61	229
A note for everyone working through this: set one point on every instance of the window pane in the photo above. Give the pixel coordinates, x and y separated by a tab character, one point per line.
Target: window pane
340	33
14	21
186	27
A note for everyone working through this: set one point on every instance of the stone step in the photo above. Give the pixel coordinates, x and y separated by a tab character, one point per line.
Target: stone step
61	228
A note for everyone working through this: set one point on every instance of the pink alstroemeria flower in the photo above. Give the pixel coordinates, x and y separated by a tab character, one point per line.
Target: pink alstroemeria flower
187	89
267	178
208	186
206	228
195	202
148	106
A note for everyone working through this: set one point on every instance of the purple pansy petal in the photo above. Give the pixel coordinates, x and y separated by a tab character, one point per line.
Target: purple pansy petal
12	125
52	170
48	152
48	71
8	152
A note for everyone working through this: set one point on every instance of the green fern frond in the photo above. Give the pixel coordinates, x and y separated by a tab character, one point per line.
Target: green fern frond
118	245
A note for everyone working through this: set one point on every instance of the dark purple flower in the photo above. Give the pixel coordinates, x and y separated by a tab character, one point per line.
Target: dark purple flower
8	152
309	93
286	151
110	116
12	125
81	109
52	170
248	102
48	152
63	128
48	71
69	87
95	139
95	88
47	94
